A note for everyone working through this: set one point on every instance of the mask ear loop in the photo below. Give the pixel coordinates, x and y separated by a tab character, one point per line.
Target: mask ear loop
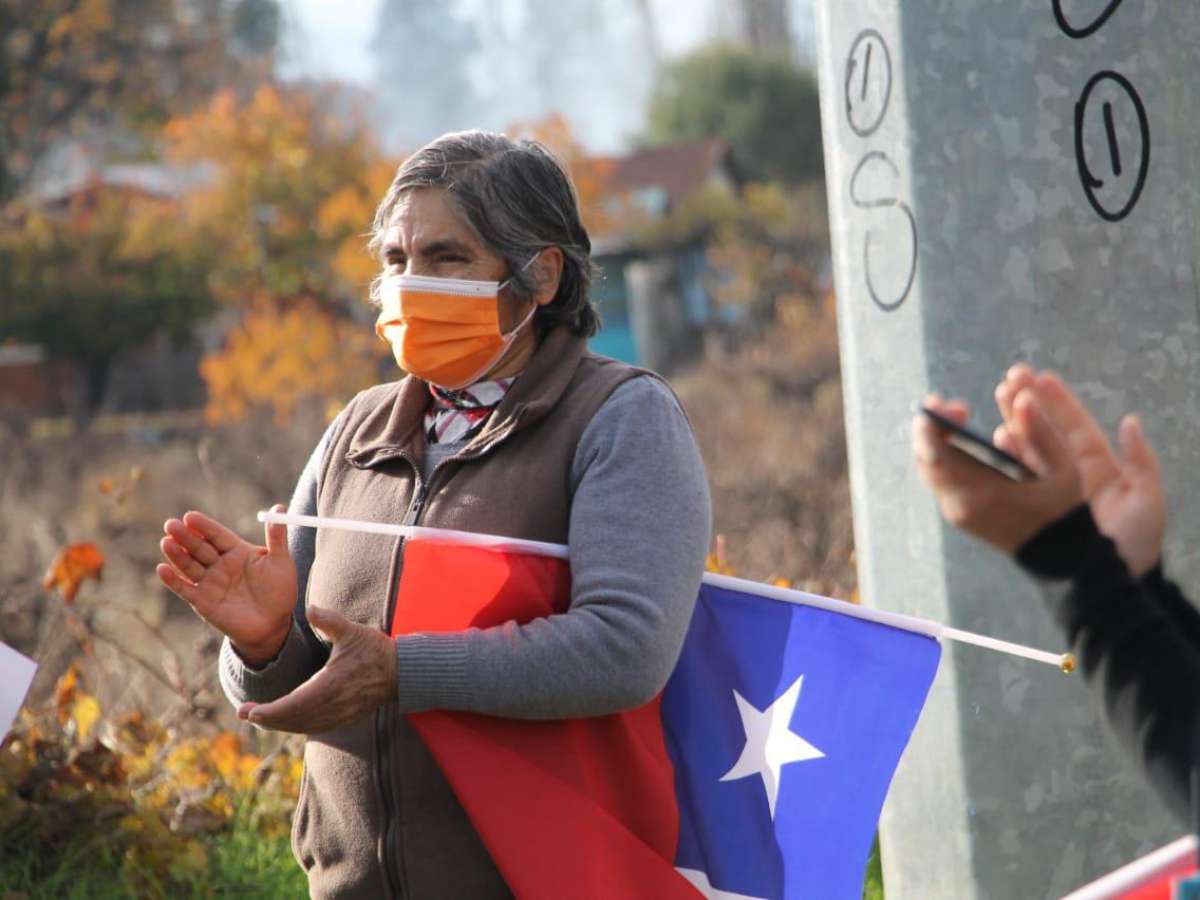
529	263
510	336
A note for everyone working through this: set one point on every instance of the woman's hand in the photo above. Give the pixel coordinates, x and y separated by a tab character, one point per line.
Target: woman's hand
1125	493
244	590
359	677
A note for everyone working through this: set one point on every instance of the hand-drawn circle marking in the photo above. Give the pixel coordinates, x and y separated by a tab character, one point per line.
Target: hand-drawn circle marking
865	108
1087	178
1077	33
884	203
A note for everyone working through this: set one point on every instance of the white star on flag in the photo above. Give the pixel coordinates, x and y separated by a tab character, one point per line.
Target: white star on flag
770	742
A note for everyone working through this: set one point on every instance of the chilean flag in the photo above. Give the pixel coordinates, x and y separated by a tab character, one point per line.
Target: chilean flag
1160	875
759	772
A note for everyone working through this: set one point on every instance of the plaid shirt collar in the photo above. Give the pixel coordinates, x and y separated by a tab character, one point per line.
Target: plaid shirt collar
460	415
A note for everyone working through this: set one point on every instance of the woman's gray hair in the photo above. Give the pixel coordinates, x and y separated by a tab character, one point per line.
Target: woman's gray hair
519	200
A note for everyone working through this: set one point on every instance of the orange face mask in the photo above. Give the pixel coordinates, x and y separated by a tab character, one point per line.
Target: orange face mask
444	330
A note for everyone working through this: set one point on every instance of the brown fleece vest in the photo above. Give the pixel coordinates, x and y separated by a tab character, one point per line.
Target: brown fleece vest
376	817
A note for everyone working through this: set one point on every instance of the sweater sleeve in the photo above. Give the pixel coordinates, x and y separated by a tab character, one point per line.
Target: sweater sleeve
1175	606
303	653
639	531
1136	645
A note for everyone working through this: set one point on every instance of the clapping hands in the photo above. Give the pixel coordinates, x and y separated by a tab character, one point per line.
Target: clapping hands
245	591
1125	492
1050	430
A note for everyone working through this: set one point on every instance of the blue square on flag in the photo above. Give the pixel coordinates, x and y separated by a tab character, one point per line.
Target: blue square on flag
785	723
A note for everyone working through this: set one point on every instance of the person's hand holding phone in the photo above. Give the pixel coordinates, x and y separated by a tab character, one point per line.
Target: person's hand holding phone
1125	493
981	500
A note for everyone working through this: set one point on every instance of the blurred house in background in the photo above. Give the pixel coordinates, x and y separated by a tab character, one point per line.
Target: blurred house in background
651	290
72	175
29	382
159	374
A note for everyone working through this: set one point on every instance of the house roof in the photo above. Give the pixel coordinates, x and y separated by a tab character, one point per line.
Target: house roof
21	354
162	180
675	171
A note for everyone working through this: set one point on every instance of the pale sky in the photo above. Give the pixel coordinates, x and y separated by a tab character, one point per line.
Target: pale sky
329	38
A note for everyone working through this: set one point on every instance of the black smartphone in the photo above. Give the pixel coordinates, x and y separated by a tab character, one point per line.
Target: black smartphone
980	448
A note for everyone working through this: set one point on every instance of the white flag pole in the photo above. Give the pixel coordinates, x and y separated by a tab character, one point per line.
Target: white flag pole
1063	661
1138	873
437	535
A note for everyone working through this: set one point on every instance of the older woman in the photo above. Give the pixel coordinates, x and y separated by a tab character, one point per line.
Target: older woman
505	424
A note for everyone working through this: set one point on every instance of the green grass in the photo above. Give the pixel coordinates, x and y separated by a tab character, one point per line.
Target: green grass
873	882
241	863
245	864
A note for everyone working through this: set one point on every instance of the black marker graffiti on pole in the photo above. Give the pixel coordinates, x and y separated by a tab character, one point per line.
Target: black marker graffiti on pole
888	202
1091	28
865	108
1110	211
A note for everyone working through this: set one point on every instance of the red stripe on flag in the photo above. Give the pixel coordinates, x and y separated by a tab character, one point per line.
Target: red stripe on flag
576	807
1163	886
447	587
553	837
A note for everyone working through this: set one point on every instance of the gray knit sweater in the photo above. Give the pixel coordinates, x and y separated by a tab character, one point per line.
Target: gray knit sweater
636	473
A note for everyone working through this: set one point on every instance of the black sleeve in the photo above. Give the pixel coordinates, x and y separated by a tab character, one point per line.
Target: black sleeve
1175	606
1136	645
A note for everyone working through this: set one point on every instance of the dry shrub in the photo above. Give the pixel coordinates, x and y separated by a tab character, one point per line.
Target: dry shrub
75	782
114	487
768	416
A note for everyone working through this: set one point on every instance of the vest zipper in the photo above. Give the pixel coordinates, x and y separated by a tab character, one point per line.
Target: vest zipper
390	845
383	779
383	785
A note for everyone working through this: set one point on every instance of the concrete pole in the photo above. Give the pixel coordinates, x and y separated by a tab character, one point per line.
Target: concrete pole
655	311
1009	181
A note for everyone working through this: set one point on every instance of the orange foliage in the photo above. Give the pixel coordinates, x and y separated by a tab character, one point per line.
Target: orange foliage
71	566
65	691
75	707
281	354
717	562
71	778
343	218
768	246
119	491
292	192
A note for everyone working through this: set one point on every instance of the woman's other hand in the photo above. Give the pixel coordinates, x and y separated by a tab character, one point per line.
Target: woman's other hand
245	591
359	677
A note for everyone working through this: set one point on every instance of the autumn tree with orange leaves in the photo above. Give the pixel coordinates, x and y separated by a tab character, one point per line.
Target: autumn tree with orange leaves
293	187
95	273
289	212
293	190
73	67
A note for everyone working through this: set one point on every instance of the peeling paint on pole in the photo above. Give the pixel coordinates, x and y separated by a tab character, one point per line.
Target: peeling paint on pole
1009	181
